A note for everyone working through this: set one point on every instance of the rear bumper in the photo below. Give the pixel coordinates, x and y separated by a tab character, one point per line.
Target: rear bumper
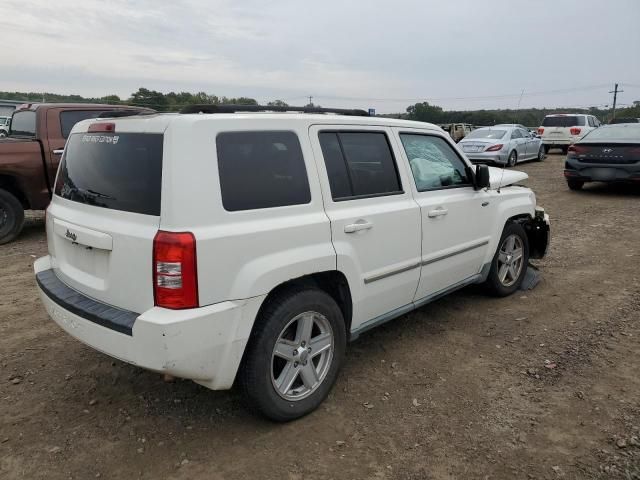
202	344
560	142
602	172
488	157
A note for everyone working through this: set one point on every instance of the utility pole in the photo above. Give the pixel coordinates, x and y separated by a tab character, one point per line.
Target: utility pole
310	100
615	92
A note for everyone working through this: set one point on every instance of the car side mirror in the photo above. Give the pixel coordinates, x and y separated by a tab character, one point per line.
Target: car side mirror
482	177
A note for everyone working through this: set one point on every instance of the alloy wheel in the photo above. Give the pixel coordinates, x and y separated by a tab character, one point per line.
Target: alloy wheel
510	260
302	356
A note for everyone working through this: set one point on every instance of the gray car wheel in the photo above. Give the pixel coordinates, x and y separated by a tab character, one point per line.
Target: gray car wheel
513	159
541	153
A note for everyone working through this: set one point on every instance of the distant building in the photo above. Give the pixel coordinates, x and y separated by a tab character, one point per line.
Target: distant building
8	106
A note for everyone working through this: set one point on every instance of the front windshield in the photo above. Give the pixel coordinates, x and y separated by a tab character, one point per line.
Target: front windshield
490	133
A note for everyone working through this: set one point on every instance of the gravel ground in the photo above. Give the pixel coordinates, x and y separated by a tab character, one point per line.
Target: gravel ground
543	384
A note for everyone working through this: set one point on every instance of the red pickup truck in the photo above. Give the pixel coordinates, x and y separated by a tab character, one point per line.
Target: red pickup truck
29	156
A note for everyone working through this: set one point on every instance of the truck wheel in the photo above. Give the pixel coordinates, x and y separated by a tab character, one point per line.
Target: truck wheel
294	354
3	134
509	264
575	184
11	217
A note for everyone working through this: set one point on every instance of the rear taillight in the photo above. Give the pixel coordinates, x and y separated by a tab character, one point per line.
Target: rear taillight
540	131
575	130
574	150
494	148
175	276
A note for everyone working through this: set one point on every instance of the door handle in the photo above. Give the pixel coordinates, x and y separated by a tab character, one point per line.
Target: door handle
58	151
360	225
438	212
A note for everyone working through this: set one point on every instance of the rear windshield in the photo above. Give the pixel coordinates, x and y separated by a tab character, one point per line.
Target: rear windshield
564	121
117	171
487	133
24	124
627	133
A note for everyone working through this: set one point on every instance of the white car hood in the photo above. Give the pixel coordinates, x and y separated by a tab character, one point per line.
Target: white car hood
499	177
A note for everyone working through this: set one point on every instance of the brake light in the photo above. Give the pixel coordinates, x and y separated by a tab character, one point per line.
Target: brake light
175	276
540	131
495	148
575	130
101	127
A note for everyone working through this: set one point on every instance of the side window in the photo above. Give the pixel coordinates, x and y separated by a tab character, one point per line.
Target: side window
69	118
591	122
433	162
515	133
261	170
580	121
359	164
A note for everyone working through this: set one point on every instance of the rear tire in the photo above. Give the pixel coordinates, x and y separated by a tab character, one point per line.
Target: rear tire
513	159
546	149
509	264
575	184
263	373
11	217
565	150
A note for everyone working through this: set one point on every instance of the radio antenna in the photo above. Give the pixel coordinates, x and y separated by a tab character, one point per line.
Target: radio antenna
504	165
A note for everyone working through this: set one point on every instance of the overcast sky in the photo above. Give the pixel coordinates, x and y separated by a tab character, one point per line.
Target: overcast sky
463	54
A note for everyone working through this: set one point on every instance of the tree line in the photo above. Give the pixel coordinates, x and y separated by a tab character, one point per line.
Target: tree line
423	111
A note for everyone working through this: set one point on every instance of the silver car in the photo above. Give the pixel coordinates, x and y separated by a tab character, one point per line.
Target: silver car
505	144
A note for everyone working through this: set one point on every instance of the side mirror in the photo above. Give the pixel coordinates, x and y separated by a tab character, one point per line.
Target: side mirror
482	177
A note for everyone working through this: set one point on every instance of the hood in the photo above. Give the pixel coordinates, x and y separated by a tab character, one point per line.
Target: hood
499	177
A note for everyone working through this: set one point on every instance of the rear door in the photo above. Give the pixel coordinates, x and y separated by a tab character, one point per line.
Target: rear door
104	215
456	219
518	143
375	222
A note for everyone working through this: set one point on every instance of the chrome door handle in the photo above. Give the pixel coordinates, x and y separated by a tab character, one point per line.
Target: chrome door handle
438	212
58	151
358	226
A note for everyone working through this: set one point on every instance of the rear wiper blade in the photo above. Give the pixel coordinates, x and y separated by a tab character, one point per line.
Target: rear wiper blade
98	194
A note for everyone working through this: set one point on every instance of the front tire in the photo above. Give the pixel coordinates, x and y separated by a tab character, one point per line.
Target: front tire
509	264
294	354
11	217
541	153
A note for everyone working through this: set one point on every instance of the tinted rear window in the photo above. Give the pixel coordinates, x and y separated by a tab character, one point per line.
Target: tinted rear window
261	170
487	133
23	123
629	133
564	121
69	118
120	172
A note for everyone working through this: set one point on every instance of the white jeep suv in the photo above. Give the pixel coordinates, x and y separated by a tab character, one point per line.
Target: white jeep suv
563	129
251	246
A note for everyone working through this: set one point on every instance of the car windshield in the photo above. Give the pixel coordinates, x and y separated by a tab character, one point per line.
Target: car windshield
563	121
622	132
487	133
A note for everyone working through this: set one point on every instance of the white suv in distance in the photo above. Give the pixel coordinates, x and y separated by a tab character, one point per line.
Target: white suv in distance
252	246
563	129
5	122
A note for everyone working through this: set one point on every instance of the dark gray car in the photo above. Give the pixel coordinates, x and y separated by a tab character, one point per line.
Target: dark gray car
608	154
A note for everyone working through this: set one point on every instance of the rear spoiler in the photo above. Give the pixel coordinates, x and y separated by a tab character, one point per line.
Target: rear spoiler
126	113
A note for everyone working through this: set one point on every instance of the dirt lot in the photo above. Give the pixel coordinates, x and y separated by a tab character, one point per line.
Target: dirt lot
544	384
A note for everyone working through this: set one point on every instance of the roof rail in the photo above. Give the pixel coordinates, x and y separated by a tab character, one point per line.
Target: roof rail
266	108
129	112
